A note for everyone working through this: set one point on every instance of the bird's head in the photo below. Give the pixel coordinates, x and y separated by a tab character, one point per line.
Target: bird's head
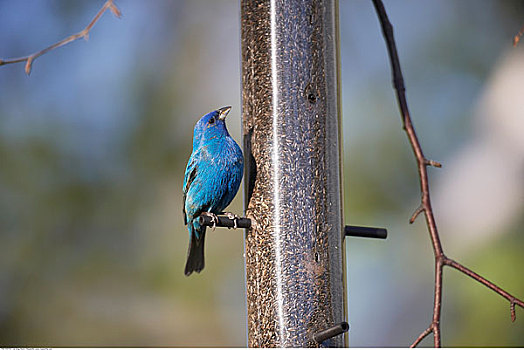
211	126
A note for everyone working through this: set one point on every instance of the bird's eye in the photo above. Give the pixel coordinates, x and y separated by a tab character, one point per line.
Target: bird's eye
212	120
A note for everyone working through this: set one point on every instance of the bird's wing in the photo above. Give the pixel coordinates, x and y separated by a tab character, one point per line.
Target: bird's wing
191	172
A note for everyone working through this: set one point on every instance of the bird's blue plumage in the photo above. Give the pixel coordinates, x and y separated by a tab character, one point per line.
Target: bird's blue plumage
213	175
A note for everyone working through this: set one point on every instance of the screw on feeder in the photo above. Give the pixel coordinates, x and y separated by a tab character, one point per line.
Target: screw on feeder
311	98
331	332
310	94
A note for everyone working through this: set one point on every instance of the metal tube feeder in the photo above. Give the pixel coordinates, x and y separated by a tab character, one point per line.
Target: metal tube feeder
294	250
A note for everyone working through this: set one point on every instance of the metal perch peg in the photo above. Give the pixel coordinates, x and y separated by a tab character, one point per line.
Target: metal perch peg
241	222
224	221
366	232
331	332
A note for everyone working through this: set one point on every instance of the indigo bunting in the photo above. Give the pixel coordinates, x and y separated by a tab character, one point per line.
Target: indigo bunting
211	180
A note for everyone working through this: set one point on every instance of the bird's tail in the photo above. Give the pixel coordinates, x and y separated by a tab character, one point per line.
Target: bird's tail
195	253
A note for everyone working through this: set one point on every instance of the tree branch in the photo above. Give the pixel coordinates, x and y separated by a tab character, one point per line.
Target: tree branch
509	297
422	336
441	259
109	4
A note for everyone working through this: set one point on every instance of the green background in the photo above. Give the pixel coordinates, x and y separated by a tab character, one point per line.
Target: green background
93	147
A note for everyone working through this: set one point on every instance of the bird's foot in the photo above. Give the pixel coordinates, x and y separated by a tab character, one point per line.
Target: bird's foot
214	219
233	217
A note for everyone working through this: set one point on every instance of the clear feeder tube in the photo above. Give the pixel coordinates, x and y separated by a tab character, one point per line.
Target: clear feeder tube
294	251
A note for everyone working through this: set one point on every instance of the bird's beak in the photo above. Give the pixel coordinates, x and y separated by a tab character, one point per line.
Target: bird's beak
224	111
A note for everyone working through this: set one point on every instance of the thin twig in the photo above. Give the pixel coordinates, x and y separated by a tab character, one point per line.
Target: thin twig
509	297
422	336
82	34
441	259
516	38
417	212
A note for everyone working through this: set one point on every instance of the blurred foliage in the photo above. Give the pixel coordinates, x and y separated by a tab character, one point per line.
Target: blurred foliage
93	148
484	318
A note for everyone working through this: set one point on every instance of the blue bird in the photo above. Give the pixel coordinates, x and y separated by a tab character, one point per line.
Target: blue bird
211	181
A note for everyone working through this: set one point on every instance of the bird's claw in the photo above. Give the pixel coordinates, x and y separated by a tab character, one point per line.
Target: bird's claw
233	217
214	219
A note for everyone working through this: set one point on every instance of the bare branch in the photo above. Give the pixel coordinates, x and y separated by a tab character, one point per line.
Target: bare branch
417	212
516	38
109	4
441	259
432	163
422	336
511	298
